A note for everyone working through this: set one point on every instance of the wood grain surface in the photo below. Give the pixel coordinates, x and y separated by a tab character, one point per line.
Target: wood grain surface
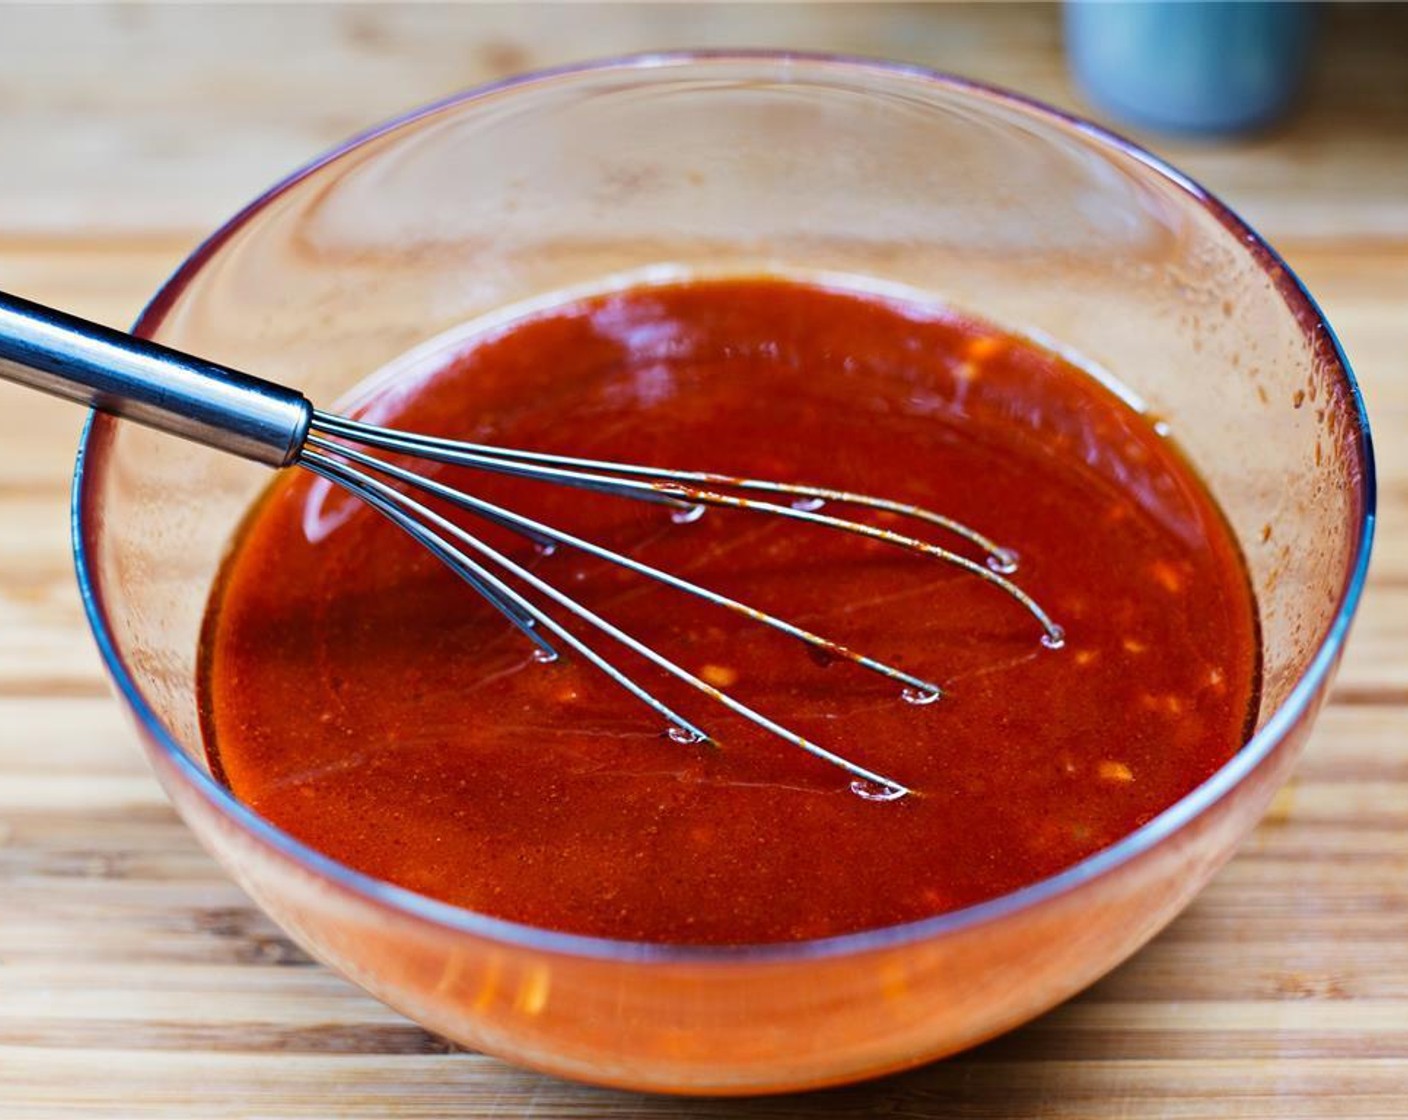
135	980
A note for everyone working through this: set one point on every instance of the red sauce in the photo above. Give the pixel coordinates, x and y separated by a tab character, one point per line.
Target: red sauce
359	696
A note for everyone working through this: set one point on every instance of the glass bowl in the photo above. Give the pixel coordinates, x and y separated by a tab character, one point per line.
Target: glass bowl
744	163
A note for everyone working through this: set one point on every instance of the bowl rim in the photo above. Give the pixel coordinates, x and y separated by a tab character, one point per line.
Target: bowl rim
96	439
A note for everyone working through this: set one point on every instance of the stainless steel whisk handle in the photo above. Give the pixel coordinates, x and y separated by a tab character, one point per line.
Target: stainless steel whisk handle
150	384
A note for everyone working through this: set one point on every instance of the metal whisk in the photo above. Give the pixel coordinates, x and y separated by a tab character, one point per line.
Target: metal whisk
268	423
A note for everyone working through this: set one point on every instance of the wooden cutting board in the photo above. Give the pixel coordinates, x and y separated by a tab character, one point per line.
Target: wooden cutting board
135	980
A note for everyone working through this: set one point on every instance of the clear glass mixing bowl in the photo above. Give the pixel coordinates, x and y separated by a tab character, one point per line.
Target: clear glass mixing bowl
741	163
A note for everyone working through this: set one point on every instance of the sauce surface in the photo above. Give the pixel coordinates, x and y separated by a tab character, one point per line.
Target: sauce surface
359	696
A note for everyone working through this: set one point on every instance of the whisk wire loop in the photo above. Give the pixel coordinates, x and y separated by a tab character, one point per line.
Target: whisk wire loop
439	449
676	489
328	451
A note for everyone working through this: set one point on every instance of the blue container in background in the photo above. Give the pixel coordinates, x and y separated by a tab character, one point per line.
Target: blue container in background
1205	66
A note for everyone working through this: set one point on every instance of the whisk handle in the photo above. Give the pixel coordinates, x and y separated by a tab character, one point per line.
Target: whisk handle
151	384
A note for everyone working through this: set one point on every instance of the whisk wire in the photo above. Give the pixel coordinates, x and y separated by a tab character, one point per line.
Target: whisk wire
439	449
327	450
528	465
404	511
538	529
391	502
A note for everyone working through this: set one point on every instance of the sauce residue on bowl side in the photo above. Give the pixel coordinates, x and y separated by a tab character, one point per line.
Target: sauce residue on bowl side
356	694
